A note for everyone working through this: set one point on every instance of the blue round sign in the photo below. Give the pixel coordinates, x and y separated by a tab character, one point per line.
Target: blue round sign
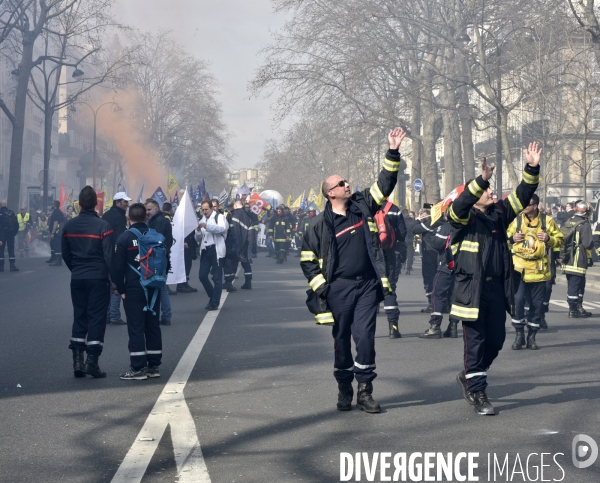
418	184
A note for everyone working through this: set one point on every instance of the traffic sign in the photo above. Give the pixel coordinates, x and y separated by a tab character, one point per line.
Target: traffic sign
418	184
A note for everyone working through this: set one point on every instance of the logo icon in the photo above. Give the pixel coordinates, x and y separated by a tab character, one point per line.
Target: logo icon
584	451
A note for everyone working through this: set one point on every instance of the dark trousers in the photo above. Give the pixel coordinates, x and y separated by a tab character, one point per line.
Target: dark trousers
410	253
443	283
145	338
280	248
354	308
550	283
90	305
210	264
533	294
55	245
187	259
231	265
483	339
393	267
10	244
390	303
575	290
429	269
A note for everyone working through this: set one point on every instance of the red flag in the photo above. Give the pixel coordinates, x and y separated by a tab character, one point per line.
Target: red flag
438	209
62	195
257	204
100	205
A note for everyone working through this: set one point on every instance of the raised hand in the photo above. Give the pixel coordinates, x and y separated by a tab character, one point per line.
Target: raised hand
533	154
395	137
486	171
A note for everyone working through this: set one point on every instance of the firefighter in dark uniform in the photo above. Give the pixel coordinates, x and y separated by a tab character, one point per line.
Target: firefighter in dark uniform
344	266
575	258
390	304
143	326
254	217
88	247
244	231
56	223
554	256
483	272
300	217
429	255
410	222
280	232
305	223
443	284
9	227
190	248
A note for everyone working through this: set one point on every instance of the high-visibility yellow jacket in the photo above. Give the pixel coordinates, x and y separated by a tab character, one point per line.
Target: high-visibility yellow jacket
534	270
23	221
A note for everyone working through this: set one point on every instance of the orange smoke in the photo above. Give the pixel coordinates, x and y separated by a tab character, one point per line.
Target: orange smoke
141	161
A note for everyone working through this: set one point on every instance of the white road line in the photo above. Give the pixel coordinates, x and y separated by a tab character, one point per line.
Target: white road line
586	305
171	409
560	303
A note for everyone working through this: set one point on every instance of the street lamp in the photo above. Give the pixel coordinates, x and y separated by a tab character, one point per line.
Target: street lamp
117	108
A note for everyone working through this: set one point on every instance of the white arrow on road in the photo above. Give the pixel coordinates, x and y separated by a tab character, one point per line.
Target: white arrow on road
171	409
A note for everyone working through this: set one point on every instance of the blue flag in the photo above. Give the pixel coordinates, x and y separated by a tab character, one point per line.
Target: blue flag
202	190
304	204
159	196
175	199
139	198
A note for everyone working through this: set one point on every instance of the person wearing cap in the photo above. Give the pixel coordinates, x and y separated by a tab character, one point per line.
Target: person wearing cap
574	257
117	219
24	220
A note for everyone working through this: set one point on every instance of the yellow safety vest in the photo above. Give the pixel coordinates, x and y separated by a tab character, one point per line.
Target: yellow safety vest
22	221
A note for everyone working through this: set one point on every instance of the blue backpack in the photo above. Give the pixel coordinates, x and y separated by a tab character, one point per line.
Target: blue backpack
153	263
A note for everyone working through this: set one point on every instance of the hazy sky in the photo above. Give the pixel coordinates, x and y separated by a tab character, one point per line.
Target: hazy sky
229	34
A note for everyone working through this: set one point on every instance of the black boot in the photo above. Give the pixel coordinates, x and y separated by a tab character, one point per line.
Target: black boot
573	312
452	330
345	395
429	308
531	344
190	288
520	339
13	267
247	284
92	368
51	259
434	332
543	323
365	400
78	363
229	286
57	262
394	334
408	271
482	404
462	381
583	314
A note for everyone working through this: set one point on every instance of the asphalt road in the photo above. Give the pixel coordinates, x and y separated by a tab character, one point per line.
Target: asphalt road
262	396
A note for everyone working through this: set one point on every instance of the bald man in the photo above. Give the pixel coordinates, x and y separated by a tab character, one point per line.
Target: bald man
346	272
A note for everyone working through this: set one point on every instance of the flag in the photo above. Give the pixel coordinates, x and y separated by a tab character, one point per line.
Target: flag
228	199
298	201
242	191
223	198
312	196
172	183
288	200
201	190
304	204
108	205
184	222
257	204
176	199
120	187
356	189
319	201
206	197
140	196
438	209
62	196
159	196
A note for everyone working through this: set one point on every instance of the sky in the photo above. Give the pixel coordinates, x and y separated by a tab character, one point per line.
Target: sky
228	34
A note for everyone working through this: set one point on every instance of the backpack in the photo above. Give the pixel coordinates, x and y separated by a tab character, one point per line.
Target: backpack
9	225
232	244
152	255
530	248
567	249
387	233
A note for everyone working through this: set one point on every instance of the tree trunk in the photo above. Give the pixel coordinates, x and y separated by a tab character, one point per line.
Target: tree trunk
16	145
466	124
449	160
48	118
431	185
508	161
415	170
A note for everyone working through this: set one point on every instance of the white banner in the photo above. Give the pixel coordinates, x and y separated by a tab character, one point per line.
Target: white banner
184	222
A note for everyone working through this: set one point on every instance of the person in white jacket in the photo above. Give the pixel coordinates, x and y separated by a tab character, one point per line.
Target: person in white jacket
211	234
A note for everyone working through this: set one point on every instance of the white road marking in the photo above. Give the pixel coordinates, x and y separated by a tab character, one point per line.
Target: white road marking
560	303
171	409
586	305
